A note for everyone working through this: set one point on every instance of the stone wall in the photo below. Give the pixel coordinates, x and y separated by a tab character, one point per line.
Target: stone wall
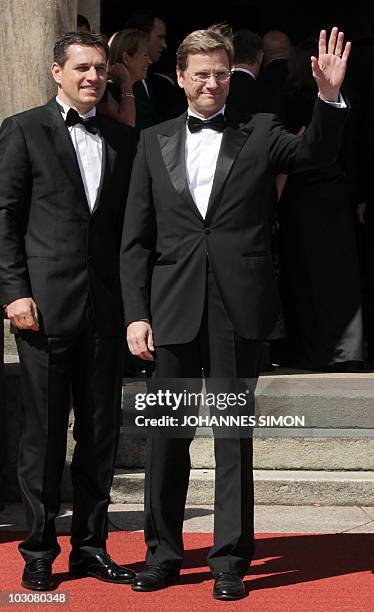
91	10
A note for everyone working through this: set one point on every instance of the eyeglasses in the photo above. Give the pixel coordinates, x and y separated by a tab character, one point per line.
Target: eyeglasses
220	76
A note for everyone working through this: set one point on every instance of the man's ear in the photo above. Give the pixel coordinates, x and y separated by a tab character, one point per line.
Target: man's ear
56	70
180	78
260	57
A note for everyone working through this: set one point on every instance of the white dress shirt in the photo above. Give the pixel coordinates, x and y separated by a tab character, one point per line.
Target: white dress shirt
144	83
202	150
340	103
89	151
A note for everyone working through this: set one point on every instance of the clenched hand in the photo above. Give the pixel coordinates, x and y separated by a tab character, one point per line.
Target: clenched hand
23	314
140	340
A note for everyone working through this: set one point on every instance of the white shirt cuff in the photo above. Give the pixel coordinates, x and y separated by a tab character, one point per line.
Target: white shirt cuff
339	104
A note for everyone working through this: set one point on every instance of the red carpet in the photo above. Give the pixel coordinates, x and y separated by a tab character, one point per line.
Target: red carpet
298	573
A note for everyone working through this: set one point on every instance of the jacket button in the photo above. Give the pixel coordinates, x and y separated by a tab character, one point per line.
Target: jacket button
207	230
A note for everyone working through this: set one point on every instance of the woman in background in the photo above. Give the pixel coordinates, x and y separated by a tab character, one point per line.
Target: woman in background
128	63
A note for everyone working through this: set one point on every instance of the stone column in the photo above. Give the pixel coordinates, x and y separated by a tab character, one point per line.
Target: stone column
28	30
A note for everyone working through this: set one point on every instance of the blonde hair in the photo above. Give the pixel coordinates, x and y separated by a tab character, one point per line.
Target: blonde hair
218	36
129	41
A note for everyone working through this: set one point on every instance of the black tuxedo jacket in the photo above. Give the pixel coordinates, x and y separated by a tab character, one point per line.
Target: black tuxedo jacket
164	101
52	247
244	96
271	84
166	240
168	100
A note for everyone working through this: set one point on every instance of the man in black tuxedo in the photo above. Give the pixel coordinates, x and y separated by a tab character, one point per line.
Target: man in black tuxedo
198	283
64	174
244	92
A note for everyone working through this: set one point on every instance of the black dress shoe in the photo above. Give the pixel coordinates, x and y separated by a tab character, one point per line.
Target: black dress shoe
37	575
101	567
228	586
153	578
349	367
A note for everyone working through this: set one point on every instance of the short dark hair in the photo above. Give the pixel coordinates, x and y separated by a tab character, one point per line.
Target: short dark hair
82	22
142	19
62	44
247	46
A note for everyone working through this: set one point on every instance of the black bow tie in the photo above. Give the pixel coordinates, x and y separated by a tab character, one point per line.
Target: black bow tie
91	124
217	123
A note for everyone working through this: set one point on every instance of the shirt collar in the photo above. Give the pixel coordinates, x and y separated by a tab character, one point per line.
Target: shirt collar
192	114
244	70
65	108
275	59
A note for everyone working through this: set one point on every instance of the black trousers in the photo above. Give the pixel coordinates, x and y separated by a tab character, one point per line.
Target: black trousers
86	367
221	354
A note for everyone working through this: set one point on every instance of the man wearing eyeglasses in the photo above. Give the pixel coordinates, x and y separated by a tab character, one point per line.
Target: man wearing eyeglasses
198	283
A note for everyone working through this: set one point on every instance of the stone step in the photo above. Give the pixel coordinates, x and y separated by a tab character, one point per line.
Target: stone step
353	451
339	410
347	447
326	401
272	487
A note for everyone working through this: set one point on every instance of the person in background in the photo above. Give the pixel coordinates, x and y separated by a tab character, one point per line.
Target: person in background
157	97
365	214
277	50
319	270
153	24
248	56
83	25
128	63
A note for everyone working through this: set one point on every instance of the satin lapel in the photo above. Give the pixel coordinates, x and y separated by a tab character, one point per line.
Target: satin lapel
63	147
233	140
174	156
